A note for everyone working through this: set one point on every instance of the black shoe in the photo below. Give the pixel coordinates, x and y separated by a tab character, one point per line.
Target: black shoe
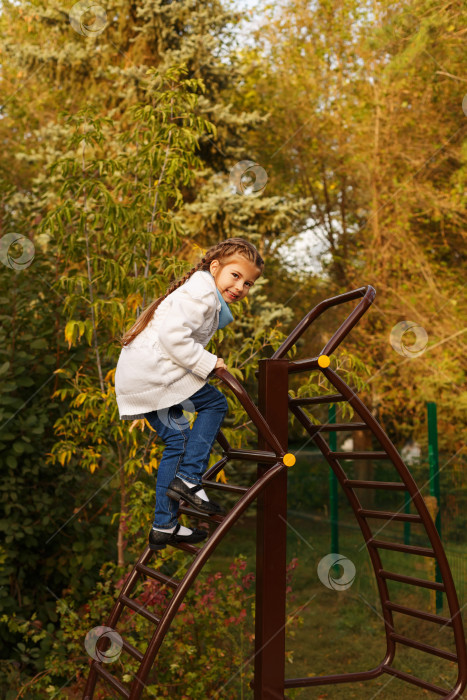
178	489
158	539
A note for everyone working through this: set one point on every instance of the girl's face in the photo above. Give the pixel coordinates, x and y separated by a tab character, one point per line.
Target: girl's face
235	277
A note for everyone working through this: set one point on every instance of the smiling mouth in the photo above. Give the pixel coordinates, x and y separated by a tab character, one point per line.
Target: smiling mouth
233	296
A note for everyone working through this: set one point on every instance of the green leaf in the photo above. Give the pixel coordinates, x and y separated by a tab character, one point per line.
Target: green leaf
4	367
11	461
88	332
38	344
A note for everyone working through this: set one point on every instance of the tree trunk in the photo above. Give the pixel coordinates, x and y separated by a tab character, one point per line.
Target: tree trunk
121	522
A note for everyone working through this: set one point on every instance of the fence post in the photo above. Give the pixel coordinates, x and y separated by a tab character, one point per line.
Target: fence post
433	459
407	501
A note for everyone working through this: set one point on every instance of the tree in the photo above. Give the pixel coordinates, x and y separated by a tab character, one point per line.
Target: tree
368	126
118	172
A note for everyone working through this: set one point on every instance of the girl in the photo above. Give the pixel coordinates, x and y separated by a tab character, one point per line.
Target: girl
163	369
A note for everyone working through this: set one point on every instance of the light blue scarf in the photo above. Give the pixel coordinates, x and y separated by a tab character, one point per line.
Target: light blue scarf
225	315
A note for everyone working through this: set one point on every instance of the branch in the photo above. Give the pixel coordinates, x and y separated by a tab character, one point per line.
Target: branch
450	75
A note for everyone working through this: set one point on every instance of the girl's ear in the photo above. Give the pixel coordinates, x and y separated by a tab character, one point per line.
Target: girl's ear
214	266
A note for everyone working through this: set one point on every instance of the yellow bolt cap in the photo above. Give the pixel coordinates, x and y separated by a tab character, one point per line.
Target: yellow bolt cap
324	361
289	459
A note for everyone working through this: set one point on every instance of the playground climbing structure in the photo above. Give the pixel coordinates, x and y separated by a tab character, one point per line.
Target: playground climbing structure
269	490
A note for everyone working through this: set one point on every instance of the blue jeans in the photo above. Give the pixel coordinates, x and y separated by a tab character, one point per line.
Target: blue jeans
186	452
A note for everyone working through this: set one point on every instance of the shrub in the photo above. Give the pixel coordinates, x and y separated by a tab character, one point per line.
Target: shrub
208	651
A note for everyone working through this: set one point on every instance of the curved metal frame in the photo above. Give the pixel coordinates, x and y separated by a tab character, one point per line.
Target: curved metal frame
201	553
349	486
373	545
368	293
274	457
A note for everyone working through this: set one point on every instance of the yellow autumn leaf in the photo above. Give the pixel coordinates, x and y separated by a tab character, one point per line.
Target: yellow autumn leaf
93	468
110	376
198	250
69	331
152	464
139	422
134	300
221	477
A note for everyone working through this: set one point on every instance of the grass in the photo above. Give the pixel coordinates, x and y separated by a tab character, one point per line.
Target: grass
343	631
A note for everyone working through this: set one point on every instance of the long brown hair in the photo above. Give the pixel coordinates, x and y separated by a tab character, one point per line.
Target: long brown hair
220	251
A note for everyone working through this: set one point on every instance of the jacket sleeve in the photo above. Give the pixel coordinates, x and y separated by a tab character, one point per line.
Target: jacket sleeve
187	314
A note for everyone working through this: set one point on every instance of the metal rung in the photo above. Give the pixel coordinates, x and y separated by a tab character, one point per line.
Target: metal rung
330	427
327	398
139	609
390	485
386	515
193	513
217	467
353	677
423	583
421	614
253	456
225	487
416	681
132	650
424	647
310	363
114	682
187	547
359	455
157	575
397	547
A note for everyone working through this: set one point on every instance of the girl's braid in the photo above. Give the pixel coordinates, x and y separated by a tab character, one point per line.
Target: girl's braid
204	264
178	283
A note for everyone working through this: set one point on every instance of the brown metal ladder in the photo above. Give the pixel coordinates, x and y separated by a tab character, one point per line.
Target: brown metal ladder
272	458
350	487
270	491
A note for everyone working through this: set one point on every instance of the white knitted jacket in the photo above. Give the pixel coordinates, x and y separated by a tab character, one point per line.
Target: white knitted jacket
166	363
